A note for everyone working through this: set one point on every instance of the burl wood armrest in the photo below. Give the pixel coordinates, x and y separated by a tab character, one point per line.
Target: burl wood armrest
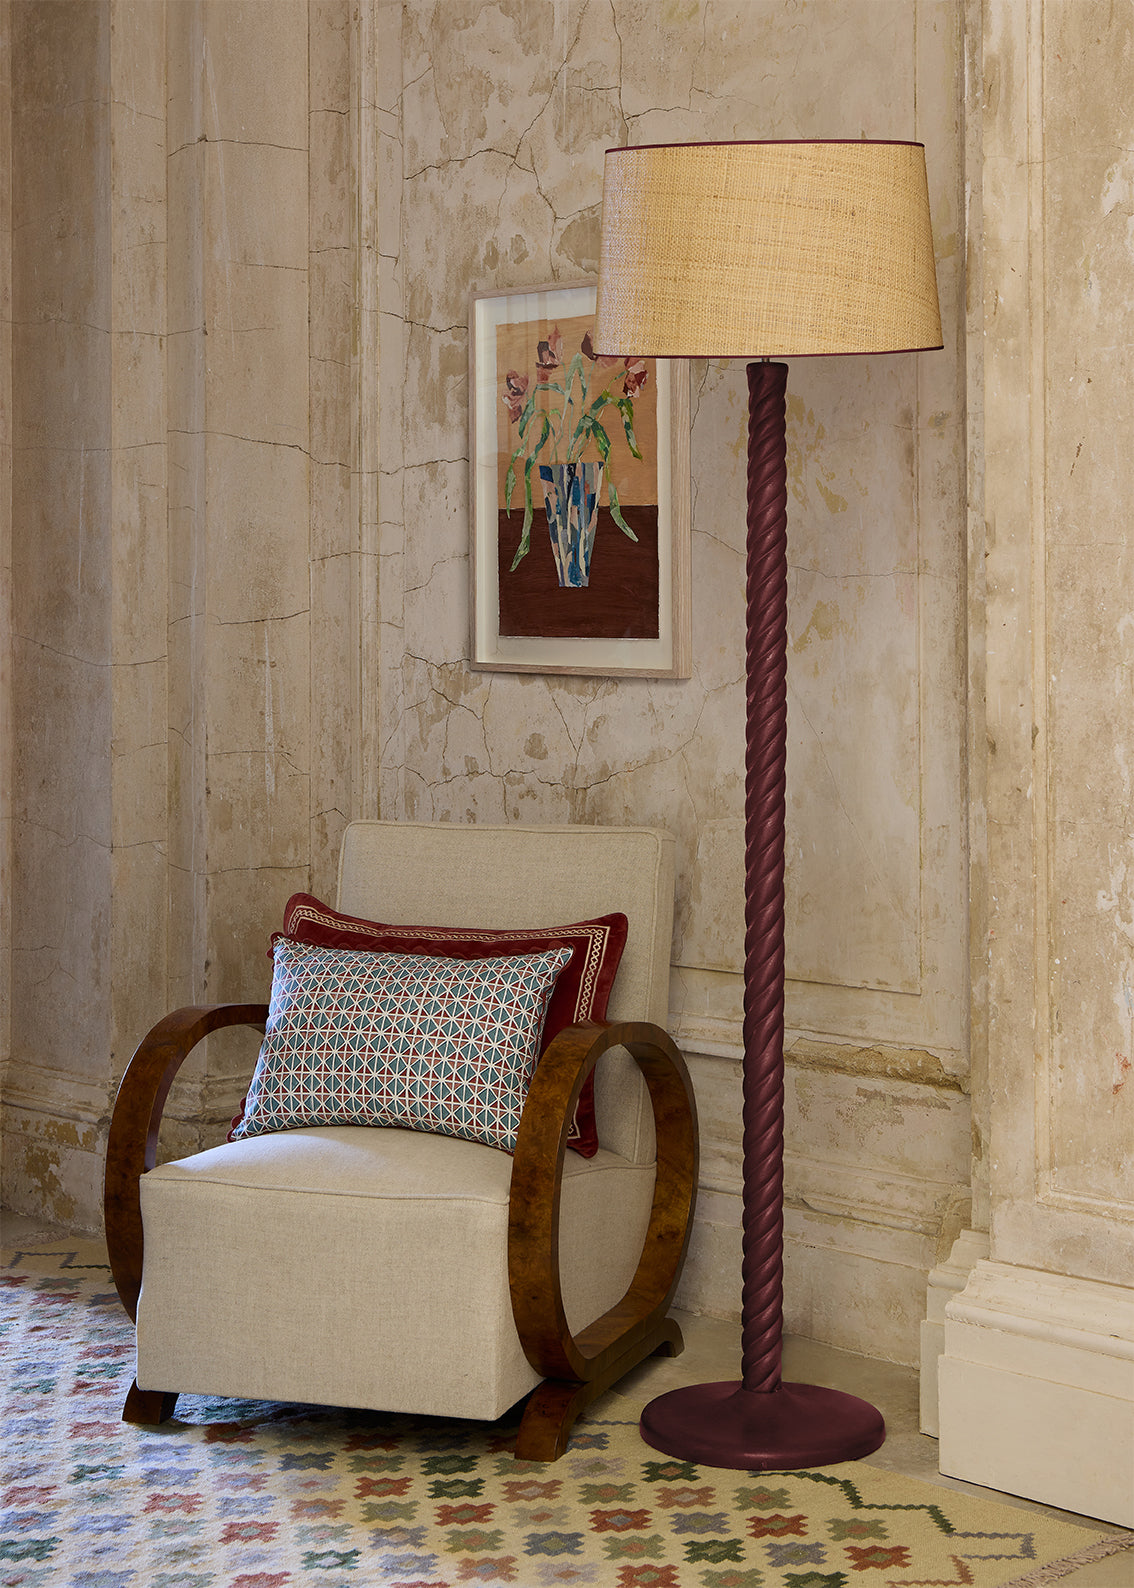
600	1353
131	1147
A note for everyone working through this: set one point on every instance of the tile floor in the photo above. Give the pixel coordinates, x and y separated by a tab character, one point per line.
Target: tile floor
712	1353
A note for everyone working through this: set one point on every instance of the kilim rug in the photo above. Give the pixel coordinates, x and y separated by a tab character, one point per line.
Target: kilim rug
235	1494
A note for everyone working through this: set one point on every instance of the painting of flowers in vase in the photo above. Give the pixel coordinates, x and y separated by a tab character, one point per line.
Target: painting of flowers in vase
573	491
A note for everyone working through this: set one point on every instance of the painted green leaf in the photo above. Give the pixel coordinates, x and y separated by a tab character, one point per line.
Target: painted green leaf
616	512
626	408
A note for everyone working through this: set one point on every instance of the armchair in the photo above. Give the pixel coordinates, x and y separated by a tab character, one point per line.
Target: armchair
397	1270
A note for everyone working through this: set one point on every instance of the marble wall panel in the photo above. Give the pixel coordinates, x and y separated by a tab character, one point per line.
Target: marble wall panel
257	317
334	278
200	427
61	497
1057	559
254	62
1089	268
870	1195
186	473
1031	1361
256	492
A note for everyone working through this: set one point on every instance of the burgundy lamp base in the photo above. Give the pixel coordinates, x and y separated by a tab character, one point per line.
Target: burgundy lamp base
780	1430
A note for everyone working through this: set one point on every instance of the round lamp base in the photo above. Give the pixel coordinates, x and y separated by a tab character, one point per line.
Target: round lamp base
794	1425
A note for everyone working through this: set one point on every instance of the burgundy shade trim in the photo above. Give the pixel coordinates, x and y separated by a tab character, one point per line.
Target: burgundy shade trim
744	143
763	358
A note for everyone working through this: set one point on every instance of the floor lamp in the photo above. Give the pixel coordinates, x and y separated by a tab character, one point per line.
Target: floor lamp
760	250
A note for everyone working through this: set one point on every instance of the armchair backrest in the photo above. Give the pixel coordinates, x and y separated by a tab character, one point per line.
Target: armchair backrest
448	874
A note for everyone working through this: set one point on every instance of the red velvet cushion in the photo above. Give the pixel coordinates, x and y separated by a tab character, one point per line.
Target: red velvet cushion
581	990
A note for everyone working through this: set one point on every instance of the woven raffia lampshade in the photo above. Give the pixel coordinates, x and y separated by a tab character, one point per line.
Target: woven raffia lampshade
766	250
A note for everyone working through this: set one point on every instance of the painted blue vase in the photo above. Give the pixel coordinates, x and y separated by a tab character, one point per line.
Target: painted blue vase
571	497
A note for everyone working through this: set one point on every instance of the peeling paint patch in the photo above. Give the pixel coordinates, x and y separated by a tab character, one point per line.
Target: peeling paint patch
44	1192
835	502
875	1062
823	623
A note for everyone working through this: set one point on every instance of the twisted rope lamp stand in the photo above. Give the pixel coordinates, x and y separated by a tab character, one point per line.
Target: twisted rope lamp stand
749	249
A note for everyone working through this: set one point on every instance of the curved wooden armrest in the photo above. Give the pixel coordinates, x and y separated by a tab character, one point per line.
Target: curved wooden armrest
131	1146
537	1180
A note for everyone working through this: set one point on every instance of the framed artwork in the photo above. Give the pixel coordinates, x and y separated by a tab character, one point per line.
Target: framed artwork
579	490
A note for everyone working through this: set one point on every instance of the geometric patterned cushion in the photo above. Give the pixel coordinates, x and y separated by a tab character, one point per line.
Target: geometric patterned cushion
581	991
442	1045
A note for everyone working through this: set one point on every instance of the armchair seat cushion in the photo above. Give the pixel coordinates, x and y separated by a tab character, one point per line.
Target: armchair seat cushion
375	1240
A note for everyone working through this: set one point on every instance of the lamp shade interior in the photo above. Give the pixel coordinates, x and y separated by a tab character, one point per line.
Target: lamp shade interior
726	250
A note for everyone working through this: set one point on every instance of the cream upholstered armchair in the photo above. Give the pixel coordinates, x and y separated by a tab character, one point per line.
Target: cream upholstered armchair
410	1271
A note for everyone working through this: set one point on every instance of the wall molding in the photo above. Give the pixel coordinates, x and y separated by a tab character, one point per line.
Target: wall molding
1037	1389
720	1038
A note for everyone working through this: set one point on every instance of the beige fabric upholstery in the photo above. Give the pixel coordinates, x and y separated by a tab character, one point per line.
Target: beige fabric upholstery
366	1267
361	1267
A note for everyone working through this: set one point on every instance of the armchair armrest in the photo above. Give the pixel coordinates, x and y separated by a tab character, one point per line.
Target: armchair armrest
580	1367
131	1147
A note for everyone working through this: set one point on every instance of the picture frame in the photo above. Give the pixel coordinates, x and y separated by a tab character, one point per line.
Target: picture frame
579	494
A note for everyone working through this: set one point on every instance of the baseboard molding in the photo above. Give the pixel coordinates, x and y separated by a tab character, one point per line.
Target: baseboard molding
946	1280
1036	1389
858	1247
52	1151
875	1189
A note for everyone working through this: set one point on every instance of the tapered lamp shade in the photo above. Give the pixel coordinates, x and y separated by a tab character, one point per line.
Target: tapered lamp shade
766	250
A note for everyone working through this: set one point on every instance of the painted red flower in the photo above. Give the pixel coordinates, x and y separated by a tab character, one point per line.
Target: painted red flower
635	377
549	354
515	390
603	360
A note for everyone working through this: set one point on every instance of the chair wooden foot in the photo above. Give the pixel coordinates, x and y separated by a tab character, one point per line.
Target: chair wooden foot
148	1406
554	1406
674	1342
549	1418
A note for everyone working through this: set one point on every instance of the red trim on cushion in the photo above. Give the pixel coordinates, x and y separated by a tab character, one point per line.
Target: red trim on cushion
581	992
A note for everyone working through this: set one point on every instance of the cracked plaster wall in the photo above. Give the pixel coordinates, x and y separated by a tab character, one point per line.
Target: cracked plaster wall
274	656
193	288
501	113
189	492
